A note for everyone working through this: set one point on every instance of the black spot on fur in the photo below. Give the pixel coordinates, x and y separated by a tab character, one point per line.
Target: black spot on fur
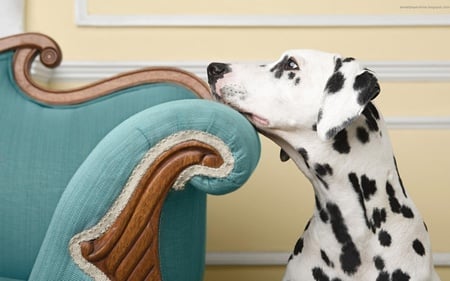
323	215
337	64
378	217
305	156
396	207
320	115
407	212
379	263
371	114
362	135
390	190
370	121
367	86
340	143
323	170
326	259
335	83
418	247
373	111
278	69
291	75
399	275
338	225
314	127
297	81
369	187
350	258
357	188
383	276
385	238
393	201
298	247
319	275
349	59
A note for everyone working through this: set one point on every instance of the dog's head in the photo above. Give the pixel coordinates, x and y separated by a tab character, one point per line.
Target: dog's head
303	90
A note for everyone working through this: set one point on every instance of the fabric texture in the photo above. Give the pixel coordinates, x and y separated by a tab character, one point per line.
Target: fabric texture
10	279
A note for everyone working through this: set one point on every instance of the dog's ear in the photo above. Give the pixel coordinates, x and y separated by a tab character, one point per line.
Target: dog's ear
348	90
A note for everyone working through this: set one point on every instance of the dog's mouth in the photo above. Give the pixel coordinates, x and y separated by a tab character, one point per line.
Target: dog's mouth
255	119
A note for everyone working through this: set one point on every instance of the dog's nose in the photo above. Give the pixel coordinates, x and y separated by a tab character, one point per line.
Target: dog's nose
217	69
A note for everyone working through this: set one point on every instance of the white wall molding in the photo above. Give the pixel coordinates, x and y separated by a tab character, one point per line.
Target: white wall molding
418	71
419	123
278	259
83	18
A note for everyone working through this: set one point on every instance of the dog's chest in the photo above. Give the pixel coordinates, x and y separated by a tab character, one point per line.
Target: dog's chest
365	227
333	251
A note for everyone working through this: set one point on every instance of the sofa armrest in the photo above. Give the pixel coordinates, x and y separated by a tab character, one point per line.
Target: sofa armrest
114	200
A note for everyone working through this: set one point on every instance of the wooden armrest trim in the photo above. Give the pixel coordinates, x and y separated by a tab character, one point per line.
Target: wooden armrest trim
29	45
124	244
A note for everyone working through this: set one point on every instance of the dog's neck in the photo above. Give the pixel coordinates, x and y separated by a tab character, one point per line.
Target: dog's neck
359	186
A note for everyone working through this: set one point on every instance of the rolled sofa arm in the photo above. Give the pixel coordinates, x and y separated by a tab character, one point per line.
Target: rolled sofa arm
106	225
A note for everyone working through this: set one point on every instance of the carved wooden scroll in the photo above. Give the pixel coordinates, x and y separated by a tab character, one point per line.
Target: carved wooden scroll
29	45
129	249
124	244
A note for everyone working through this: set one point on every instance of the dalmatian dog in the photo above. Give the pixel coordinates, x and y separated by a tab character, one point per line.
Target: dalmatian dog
318	108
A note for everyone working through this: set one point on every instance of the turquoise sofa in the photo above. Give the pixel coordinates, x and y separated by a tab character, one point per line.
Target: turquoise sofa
109	181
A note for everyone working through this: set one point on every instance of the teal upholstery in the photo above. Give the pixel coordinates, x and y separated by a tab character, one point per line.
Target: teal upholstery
61	167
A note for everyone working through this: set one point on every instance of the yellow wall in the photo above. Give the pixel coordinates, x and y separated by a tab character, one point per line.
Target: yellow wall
270	211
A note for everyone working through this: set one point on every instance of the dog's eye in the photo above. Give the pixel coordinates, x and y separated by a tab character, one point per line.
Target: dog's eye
291	64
